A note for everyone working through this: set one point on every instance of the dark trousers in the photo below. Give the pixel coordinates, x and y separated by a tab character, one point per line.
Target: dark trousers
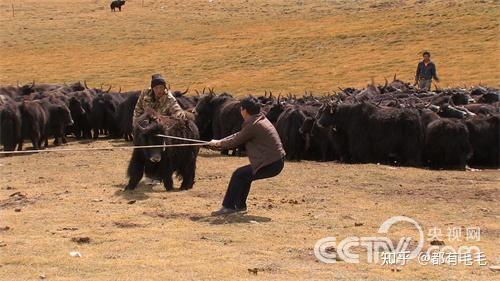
424	84
239	185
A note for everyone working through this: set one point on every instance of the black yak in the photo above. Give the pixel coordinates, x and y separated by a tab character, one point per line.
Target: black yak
484	135
59	118
368	133
295	125
104	113
117	4
447	144
163	162
80	105
289	126
218	116
125	114
34	123
10	123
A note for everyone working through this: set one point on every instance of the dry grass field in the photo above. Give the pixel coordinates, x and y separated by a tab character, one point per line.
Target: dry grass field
247	46
51	203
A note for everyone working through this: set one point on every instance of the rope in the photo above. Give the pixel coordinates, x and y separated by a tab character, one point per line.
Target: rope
179	138
101	148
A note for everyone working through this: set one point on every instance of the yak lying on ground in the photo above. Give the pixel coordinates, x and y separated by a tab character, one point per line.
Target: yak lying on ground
161	162
371	134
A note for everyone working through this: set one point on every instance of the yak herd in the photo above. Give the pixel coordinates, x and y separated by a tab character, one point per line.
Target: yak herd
394	123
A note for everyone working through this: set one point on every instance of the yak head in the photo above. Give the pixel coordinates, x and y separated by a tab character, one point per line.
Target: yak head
326	114
448	111
146	131
203	113
63	113
307	126
27	88
76	108
461	98
77	86
274	112
490	98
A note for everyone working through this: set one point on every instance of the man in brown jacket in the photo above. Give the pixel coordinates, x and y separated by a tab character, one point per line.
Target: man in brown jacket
264	149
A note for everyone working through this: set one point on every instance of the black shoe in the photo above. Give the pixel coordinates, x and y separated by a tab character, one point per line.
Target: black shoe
223	211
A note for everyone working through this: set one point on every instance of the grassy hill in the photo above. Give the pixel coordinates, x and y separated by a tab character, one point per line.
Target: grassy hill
248	46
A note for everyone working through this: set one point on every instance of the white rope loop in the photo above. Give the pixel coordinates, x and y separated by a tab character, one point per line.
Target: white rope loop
102	148
179	138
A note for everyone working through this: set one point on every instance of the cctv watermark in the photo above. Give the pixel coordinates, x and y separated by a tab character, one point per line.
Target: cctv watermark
382	250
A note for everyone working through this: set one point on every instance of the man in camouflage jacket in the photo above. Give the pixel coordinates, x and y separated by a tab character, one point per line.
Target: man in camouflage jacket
158	98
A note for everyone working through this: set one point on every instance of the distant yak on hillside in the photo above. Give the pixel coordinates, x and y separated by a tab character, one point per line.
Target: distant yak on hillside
117	4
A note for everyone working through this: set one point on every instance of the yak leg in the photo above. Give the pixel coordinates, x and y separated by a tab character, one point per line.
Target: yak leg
166	172
35	141
168	182
56	140
96	134
20	145
188	176
135	169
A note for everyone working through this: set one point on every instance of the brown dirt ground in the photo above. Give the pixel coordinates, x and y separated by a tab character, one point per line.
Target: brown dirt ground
169	235
240	46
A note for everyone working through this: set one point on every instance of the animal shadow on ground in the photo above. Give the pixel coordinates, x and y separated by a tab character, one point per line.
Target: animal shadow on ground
230	219
143	187
137	194
85	141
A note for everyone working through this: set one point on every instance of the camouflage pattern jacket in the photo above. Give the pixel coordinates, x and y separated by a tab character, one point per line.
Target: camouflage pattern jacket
166	105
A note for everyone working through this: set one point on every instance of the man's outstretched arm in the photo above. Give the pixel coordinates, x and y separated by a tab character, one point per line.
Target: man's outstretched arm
233	140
